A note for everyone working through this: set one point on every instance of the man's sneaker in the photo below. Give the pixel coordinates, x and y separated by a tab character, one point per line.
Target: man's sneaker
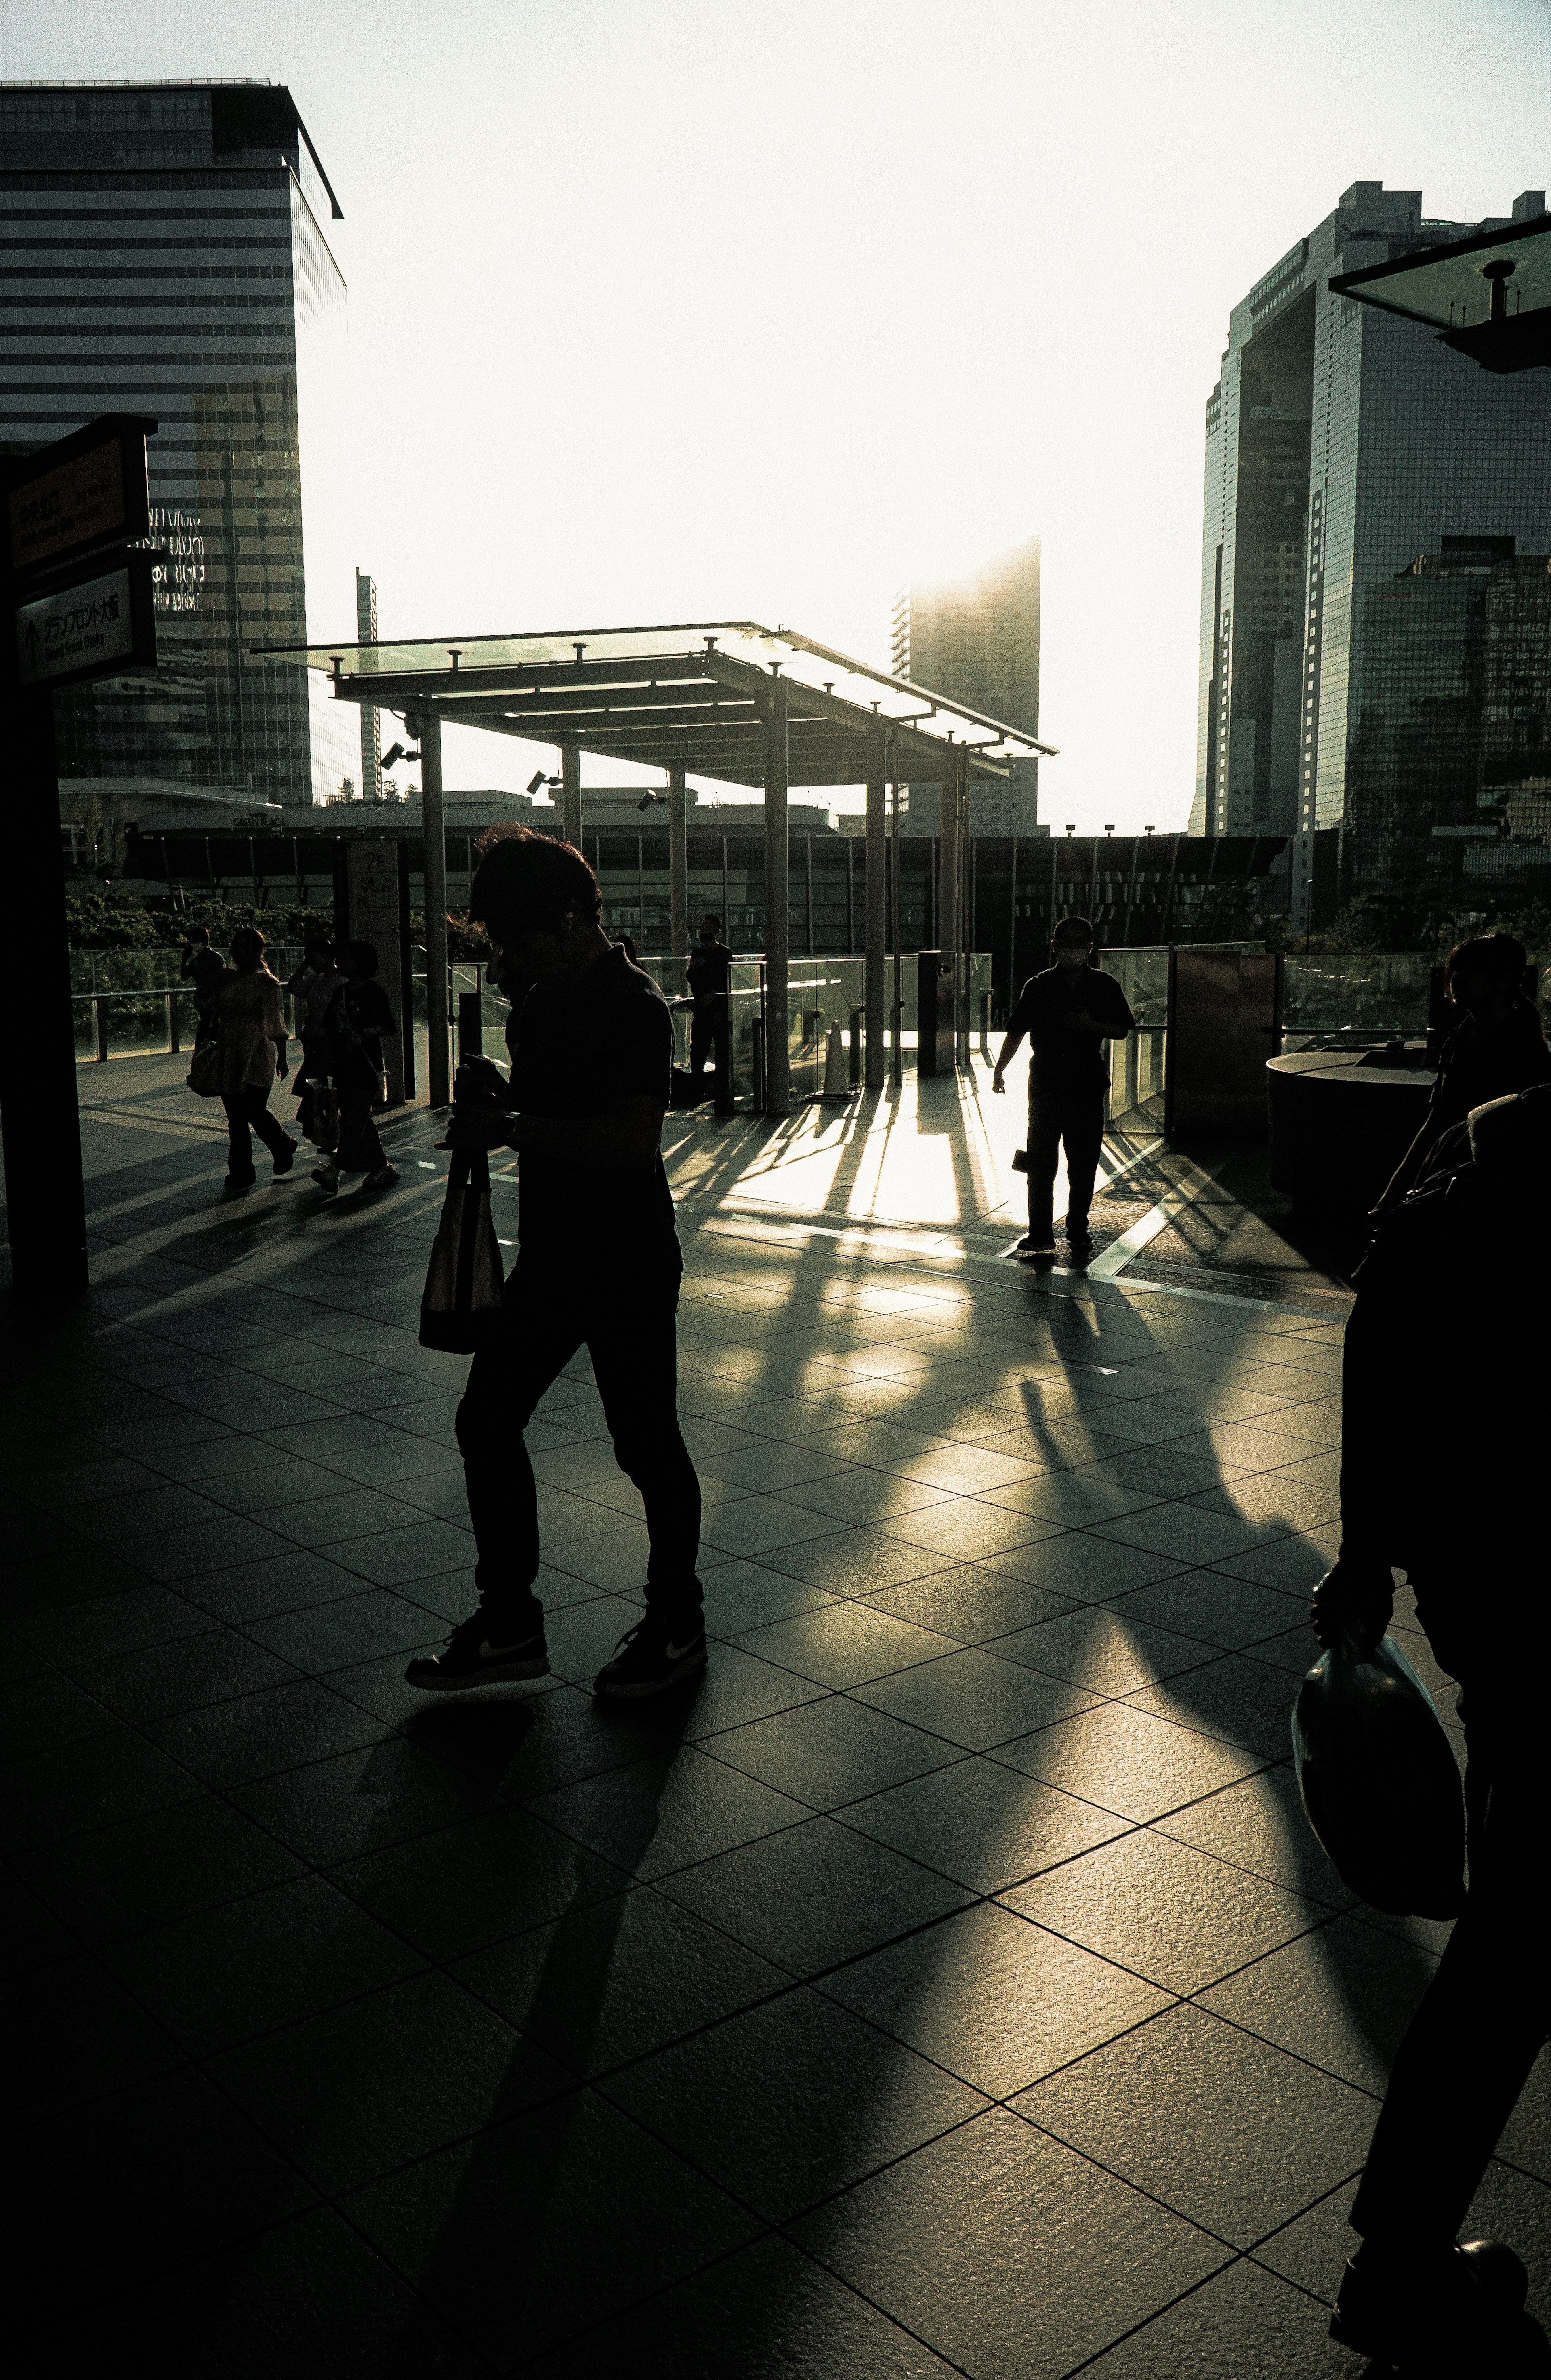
381	1178
469	1659
327	1175
1029	1246
285	1158
651	1656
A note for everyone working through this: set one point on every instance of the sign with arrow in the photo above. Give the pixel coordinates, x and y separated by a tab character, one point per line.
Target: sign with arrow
89	629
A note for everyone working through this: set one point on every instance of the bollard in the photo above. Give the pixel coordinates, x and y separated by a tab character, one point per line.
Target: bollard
856	1016
173	1043
837	1089
99	1007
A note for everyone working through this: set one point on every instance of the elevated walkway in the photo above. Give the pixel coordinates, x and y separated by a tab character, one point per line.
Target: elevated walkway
948	1986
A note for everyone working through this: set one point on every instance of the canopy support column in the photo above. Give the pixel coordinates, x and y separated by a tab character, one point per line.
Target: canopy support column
877	915
896	1011
966	915
947	882
571	793
778	1073
678	875
433	839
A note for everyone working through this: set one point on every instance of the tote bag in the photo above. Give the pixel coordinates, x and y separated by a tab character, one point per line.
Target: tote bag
460	1306
204	1070
1378	1782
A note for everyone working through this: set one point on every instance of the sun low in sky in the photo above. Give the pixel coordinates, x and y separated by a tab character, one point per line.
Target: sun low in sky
695	309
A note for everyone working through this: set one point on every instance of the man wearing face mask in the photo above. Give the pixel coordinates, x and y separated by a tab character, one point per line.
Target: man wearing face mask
1069	1013
598	1266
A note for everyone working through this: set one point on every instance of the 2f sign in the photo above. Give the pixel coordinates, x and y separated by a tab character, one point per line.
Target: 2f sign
81	632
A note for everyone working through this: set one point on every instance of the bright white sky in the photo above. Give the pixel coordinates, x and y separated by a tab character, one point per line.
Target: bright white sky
694	308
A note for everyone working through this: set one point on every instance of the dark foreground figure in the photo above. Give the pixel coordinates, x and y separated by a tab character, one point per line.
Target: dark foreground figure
1442	1458
598	1266
1069	1013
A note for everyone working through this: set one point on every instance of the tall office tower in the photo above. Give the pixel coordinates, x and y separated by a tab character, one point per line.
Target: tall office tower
976	640
371	720
166	256
1342	443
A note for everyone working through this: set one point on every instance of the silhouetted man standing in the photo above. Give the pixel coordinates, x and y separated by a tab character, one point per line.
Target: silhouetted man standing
598	1266
709	972
1067	1013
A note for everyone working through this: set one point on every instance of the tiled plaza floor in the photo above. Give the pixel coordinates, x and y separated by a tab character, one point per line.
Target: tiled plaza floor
949	1985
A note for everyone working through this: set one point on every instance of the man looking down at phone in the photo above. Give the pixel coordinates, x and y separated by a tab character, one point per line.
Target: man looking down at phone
598	1266
1069	1013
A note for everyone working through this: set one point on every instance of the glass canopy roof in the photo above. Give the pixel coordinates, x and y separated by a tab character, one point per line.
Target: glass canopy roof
1448	285
524	660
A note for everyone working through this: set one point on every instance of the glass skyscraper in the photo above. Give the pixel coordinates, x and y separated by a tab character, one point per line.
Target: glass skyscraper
165	253
1342	445
976	641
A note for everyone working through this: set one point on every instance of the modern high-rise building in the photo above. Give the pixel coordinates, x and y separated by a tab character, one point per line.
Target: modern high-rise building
372	720
976	641
166	254
1342	443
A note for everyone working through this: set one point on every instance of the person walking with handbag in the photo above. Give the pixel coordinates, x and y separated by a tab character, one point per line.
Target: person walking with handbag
251	1013
1442	1436
359	1019
598	1266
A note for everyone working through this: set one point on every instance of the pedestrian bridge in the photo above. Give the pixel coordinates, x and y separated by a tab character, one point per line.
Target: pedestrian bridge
949	1985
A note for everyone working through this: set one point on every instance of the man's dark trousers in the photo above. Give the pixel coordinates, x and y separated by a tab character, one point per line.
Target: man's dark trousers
1484	2016
627	1326
702	1034
1072	1114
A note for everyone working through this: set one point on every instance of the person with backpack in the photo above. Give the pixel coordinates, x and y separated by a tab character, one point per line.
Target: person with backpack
598	1266
1441	1443
358	1020
250	1015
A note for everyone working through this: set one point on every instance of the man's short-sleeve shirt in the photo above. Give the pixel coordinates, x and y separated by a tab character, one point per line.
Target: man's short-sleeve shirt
709	970
576	1049
1062	1054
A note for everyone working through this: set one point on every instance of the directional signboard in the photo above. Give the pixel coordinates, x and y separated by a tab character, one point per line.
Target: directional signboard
83	492
89	628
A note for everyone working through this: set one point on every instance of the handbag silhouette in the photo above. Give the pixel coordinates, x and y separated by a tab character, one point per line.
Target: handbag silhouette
204	1070
1379	1782
461	1304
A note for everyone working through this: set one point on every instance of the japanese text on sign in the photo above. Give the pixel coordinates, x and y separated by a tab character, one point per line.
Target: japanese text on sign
77	631
73	504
